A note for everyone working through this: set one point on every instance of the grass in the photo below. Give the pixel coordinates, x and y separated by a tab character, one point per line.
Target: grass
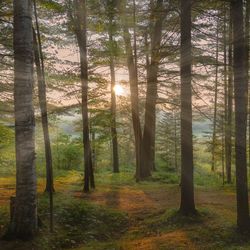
125	215
77	222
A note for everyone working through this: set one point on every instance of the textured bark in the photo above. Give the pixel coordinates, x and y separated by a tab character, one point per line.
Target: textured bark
187	185
43	106
43	103
113	103
240	90
151	95
228	138
224	141
175	143
24	223
133	81
247	20
215	99
80	25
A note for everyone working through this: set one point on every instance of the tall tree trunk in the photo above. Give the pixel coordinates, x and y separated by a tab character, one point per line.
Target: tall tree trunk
229	103
175	143
133	81
247	20
240	89
113	103
151	95
153	128
24	222
215	98
224	122
81	35
187	184
43	104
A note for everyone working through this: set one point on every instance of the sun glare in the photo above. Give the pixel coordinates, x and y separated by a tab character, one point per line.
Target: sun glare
119	90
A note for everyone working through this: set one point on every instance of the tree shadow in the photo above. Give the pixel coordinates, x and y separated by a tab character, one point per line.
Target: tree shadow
112	198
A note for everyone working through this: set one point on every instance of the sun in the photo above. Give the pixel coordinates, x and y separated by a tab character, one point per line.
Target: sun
119	90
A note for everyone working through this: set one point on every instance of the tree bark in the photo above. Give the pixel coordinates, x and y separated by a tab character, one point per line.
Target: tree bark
187	205
215	99
224	140
81	35
24	223
43	103
133	81
240	90
113	102
43	106
151	95
228	138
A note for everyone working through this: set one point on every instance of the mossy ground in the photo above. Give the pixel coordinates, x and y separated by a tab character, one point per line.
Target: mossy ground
121	214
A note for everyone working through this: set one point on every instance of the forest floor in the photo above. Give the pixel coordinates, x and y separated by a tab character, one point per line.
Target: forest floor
147	216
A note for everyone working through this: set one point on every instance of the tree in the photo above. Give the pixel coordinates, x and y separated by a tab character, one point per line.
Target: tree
44	115
24	222
215	98
38	54
151	95
111	12
240	90
187	184
133	81
80	28
228	134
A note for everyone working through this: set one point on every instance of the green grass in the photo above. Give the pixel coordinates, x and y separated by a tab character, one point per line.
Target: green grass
76	222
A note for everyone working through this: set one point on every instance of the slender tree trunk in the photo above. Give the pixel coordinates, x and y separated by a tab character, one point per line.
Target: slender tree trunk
43	103
24	222
175	143
43	106
133	80
240	89
215	99
81	34
93	149
153	128
229	103
113	105
187	184
151	95
247	28
224	122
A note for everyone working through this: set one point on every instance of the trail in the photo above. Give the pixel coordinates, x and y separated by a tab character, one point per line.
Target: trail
145	204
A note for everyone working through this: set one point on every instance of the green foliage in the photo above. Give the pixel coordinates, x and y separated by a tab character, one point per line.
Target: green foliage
7	150
6	136
52	5
80	222
67	152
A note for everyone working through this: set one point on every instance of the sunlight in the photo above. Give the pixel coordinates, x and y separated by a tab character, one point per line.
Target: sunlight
119	90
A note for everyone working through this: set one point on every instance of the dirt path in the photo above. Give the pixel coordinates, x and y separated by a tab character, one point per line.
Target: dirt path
148	204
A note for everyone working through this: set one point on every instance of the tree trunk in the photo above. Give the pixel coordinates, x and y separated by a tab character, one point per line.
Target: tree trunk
215	98
247	19
43	106
151	95
187	184
24	223
175	143
229	104
133	81
240	89
113	105
81	35
224	140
